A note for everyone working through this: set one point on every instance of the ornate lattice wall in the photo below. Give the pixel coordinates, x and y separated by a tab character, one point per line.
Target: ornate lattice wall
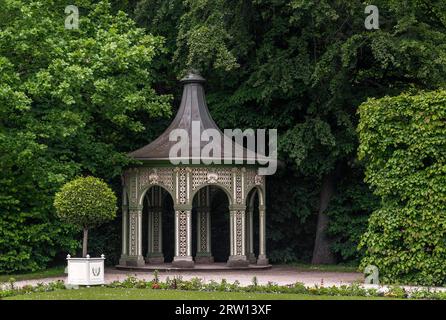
182	183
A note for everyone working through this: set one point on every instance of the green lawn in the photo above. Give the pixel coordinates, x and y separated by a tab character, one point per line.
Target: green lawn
325	267
148	294
47	273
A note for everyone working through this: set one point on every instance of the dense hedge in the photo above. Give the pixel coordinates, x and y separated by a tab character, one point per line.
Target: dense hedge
403	143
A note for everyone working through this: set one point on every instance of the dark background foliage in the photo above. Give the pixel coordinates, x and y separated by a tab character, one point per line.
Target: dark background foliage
302	67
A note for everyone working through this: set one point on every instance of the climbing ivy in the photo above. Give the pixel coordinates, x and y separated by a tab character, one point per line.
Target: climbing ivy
403	145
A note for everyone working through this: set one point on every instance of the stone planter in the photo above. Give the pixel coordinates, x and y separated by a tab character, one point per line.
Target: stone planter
85	271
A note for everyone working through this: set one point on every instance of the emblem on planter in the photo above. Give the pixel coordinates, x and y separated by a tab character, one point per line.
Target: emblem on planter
96	271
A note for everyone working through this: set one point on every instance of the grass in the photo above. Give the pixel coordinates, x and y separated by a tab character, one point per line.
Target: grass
102	293
325	268
47	273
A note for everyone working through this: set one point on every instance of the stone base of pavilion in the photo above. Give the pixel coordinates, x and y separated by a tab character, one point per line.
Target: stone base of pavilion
216	266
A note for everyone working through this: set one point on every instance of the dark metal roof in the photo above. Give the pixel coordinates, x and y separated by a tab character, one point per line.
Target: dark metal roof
192	108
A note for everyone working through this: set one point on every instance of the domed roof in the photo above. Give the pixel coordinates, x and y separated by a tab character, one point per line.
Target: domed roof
193	107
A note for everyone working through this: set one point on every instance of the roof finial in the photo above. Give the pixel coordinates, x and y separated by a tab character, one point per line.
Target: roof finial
193	75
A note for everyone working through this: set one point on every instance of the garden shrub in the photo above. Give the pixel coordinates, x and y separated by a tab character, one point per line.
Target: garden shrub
85	202
197	284
403	145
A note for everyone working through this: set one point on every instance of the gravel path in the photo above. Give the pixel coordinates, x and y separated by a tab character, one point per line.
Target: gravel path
279	274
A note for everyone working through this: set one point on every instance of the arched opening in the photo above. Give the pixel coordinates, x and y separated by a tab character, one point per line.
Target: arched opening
168	229
210	225
220	237
252	226
158	226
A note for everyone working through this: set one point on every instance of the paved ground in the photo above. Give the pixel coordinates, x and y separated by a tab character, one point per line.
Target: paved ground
279	274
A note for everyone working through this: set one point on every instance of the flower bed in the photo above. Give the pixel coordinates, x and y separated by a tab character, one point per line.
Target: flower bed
197	284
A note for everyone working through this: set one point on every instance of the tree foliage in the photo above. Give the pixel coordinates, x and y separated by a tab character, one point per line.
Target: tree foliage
71	102
85	202
303	67
403	143
349	211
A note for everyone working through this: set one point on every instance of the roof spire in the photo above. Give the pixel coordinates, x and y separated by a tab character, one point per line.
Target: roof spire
192	76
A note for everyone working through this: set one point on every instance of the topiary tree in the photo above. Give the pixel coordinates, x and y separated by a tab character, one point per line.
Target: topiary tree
85	202
403	144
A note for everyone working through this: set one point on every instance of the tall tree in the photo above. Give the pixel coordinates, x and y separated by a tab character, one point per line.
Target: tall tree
303	67
72	101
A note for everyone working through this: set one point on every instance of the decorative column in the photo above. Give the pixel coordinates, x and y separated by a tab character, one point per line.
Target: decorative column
155	238
204	254
237	223
135	257
183	220
125	231
183	237
262	260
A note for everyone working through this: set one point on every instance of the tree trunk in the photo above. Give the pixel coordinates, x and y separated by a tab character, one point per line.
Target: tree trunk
84	243
321	252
